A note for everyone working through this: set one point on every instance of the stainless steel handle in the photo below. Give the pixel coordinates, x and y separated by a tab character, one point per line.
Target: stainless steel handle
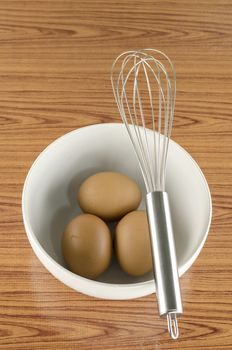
164	259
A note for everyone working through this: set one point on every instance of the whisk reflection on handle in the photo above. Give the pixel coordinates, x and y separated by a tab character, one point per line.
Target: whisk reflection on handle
144	89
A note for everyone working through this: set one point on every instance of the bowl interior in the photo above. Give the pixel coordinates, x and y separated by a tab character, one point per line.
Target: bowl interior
53	182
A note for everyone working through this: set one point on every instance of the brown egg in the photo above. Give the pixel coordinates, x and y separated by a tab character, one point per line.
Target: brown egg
87	246
109	195
132	244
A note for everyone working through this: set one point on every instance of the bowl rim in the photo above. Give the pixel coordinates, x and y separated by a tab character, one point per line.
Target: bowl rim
33	239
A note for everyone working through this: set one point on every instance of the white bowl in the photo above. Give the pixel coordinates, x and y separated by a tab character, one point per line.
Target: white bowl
49	202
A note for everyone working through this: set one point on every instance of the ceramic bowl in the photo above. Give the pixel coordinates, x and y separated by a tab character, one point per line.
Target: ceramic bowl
49	203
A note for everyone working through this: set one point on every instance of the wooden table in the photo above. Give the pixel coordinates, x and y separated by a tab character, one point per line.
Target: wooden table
55	58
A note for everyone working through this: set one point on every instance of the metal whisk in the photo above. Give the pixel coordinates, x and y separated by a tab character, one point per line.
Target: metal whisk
144	87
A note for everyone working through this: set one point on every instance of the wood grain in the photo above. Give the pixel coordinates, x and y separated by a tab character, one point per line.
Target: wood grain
55	58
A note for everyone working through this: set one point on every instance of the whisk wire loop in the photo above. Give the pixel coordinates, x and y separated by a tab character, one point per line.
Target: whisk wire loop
136	111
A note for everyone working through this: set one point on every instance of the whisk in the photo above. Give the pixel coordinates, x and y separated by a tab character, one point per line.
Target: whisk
144	87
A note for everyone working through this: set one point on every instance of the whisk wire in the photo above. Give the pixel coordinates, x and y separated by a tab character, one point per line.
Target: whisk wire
159	155
152	156
147	150
139	151
142	151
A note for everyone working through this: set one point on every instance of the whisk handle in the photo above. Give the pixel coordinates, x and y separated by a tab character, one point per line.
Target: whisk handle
164	258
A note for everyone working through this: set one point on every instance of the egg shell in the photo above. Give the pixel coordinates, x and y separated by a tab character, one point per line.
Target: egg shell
132	244
87	246
109	195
